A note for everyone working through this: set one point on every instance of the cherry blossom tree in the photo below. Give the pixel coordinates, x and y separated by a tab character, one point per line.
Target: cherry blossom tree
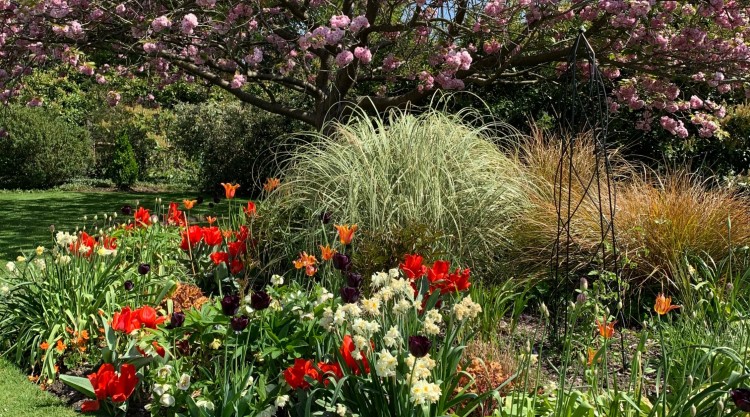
327	54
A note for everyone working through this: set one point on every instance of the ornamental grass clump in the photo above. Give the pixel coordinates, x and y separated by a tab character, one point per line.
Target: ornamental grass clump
398	171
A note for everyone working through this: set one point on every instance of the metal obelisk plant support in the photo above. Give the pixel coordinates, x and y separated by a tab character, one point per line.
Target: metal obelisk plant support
585	113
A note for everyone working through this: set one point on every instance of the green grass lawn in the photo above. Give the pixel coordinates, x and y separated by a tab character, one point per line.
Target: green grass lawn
21	398
26	217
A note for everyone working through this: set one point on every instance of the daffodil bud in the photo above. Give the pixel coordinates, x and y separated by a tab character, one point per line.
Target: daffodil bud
690	381
528	347
710	295
619	305
693	410
582	359
96	217
584	284
85	218
545	311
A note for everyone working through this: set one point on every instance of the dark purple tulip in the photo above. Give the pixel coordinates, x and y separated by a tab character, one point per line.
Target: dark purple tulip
210	205
353	279
199	200
260	300
183	346
350	295
177	319
325	217
419	345
341	262
217	199
144	268
230	304
741	398
127	210
129	285
239	323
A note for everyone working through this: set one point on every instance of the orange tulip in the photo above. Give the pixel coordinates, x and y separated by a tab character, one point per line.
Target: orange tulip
60	346
271	184
211	220
250	210
230	189
606	330
44	346
592	355
308	262
326	252
664	305
346	233
189	204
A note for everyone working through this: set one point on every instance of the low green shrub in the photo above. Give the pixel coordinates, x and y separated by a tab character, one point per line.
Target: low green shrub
124	168
40	150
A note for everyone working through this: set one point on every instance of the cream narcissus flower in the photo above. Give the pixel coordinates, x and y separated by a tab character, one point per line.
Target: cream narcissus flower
352	310
39	262
215	345
432	318
402	307
392	338
422	366
39	250
10	266
466	309
386	364
63	260
341	410
365	328
423	392
21	258
379	279
371	306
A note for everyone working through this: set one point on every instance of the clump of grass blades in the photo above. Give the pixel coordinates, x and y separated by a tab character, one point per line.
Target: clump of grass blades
434	169
663	218
535	233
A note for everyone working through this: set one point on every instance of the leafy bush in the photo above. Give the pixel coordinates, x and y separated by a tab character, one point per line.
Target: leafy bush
124	168
433	171
230	142
40	150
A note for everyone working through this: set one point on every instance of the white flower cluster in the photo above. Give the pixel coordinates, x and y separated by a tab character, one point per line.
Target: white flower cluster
343	313
431	321
466	308
423	392
386	364
422	367
65	239
392	338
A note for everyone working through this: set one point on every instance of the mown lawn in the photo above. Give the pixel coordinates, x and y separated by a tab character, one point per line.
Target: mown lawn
26	217
21	398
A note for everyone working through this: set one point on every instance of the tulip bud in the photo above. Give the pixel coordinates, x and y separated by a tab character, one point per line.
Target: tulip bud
619	305
144	268
690	381
528	347
584	284
96	217
710	295
571	305
85	218
581	298
582	359
239	323
693	410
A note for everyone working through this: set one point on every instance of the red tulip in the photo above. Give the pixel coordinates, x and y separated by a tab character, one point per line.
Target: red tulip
191	237
219	257
347	347
327	370
175	216
250	209
237	248
242	234
84	245
90	406
212	236
413	267
148	317
122	386
439	271
142	217
236	266
100	379
125	321
295	374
